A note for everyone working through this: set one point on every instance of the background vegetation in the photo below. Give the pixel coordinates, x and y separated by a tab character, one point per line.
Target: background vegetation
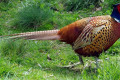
41	60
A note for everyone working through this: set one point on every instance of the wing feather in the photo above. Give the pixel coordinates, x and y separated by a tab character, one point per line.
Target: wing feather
87	36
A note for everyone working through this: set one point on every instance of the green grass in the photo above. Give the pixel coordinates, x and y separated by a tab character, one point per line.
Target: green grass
32	63
28	60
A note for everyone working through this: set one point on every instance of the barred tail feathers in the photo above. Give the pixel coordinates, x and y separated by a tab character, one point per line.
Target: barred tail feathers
37	35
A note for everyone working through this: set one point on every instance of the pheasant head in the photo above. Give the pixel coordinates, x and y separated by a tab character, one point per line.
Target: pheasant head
116	12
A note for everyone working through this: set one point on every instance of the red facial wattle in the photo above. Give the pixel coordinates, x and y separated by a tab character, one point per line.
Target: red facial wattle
118	7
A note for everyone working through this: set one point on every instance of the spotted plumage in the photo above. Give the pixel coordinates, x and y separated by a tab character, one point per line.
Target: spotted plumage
98	39
88	36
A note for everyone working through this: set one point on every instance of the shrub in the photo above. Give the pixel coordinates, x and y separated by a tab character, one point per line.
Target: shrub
108	4
72	5
5	5
4	1
33	14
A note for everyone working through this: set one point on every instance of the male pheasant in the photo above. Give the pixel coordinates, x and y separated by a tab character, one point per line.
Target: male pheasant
88	36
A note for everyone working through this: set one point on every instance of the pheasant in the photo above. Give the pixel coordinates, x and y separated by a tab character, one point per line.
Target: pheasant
88	36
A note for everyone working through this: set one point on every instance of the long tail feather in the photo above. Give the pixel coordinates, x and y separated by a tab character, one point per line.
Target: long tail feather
38	35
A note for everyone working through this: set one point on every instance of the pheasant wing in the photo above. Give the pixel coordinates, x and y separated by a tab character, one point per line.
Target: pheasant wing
87	36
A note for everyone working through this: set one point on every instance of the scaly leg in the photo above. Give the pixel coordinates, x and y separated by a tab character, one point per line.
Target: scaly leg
81	60
96	60
90	62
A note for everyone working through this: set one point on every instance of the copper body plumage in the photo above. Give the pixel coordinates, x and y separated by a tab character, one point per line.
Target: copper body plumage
103	34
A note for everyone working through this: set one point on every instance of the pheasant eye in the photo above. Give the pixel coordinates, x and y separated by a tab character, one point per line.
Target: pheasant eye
118	7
